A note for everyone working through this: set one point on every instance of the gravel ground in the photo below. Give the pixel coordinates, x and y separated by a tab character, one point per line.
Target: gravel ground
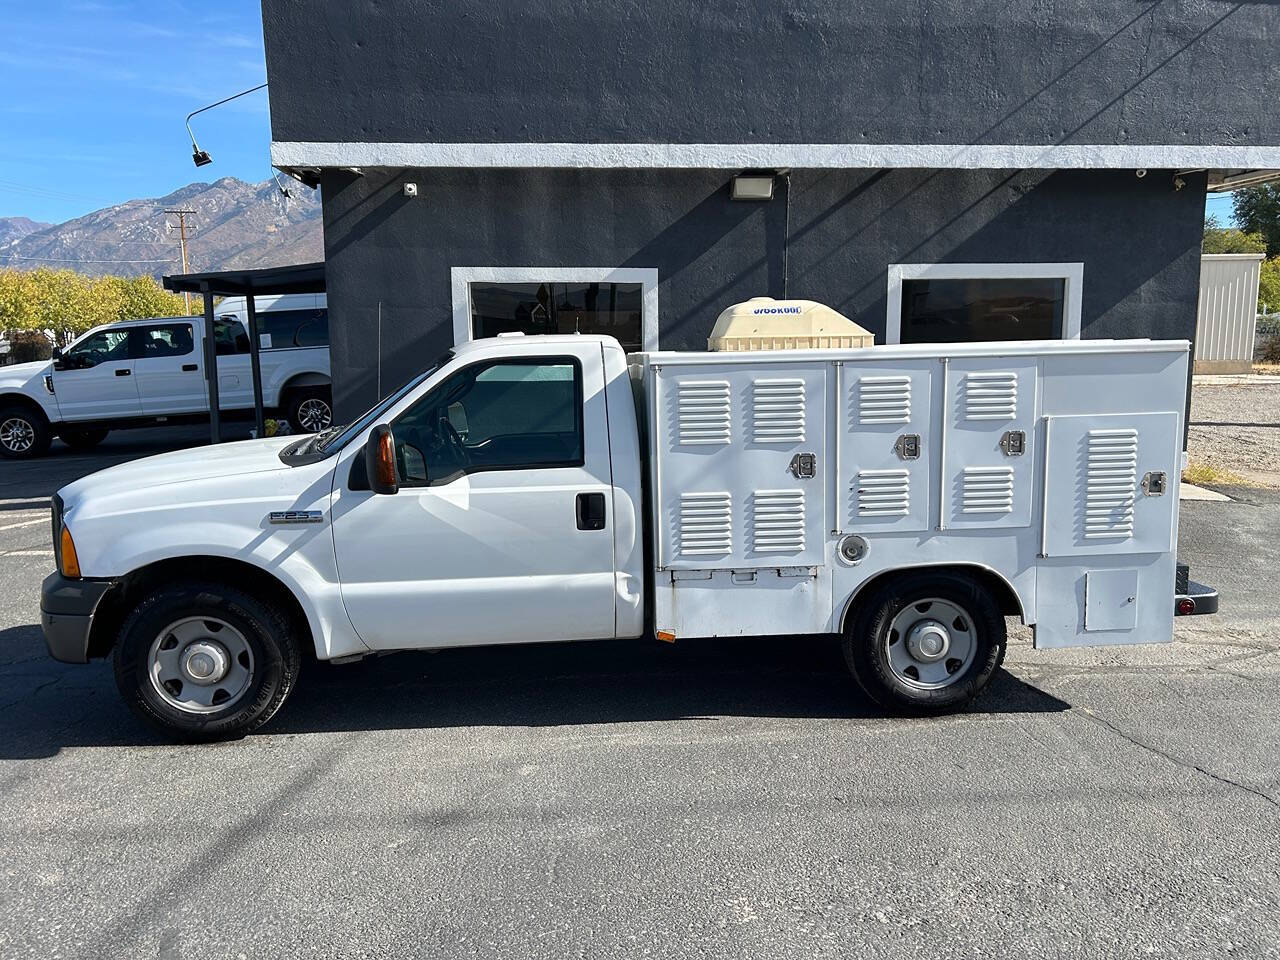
1237	427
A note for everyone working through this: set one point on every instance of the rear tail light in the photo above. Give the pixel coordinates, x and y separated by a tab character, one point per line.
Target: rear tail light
1186	606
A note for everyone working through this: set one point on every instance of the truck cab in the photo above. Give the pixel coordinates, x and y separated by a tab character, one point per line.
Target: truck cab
148	372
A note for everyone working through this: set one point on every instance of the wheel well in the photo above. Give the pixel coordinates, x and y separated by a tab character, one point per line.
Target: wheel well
998	587
22	400
303	381
116	605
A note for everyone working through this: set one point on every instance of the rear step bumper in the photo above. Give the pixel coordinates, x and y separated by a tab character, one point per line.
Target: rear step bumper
1195	598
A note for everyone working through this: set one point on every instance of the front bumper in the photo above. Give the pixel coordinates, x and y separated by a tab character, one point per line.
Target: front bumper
66	614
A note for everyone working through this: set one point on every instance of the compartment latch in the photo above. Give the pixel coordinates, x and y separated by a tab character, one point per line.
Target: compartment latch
1014	443
804	466
1155	483
907	446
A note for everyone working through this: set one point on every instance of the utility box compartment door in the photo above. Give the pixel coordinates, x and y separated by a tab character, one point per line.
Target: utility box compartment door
1112	483
1110	600
887	455
989	472
742	465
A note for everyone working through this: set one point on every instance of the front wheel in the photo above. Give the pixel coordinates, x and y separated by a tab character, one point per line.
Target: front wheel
206	662
925	642
23	432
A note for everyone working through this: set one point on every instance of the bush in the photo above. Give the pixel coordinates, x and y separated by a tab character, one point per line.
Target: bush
28	345
1270	352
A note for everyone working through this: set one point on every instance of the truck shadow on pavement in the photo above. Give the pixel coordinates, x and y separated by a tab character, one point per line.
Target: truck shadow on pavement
46	706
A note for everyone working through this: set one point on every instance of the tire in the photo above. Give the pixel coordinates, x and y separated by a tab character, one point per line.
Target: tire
176	625
82	438
24	432
912	672
304	405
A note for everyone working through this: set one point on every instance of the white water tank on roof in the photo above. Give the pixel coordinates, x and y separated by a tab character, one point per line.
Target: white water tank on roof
763	323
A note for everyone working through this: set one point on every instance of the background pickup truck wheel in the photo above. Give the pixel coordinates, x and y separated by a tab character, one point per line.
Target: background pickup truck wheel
309	410
23	432
78	438
925	642
206	661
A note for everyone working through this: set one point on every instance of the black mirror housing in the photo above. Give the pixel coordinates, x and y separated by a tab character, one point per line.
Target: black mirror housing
380	460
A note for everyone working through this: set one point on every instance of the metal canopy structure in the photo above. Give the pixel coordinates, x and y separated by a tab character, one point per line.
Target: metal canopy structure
267	281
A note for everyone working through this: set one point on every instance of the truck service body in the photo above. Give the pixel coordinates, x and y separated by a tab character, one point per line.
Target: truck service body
547	488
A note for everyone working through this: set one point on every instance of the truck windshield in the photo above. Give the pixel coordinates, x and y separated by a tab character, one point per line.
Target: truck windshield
336	437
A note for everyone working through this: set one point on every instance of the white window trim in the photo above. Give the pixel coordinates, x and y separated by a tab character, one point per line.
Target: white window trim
461	279
1072	273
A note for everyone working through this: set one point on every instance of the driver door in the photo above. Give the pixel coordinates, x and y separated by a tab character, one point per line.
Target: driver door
498	533
93	379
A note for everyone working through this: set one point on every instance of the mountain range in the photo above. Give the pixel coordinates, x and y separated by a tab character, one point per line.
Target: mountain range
234	225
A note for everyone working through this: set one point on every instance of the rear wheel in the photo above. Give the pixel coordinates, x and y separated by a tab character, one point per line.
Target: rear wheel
206	662
82	438
24	432
310	410
925	642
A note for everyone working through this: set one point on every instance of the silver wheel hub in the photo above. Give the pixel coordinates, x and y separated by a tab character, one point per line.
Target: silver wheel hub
928	641
314	415
17	434
205	662
931	642
200	665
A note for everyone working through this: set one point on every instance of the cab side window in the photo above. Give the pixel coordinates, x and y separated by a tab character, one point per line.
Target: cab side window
229	337
499	415
169	340
101	347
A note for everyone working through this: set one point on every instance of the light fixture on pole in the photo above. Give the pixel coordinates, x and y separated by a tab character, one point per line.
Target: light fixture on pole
201	157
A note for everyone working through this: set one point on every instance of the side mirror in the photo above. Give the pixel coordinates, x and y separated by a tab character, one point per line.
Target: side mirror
380	460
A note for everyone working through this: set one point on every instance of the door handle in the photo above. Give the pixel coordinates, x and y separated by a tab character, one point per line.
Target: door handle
123	372
590	511
189	368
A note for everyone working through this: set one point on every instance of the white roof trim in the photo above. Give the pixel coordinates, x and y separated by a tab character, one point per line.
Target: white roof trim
732	156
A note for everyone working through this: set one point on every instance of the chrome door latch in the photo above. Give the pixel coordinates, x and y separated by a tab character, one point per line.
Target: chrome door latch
1014	443
804	466
907	446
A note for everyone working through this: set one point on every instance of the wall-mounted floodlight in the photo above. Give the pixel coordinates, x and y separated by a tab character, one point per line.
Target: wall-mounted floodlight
201	157
753	187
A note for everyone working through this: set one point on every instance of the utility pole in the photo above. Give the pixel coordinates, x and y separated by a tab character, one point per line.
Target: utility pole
182	242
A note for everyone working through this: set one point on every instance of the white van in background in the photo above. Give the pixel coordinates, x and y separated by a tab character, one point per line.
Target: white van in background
142	373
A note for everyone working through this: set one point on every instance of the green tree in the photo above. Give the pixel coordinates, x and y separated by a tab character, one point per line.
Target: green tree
1219	239
1257	210
1269	286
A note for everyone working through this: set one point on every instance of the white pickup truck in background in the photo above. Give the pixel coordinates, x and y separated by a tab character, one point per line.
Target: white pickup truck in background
527	489
146	372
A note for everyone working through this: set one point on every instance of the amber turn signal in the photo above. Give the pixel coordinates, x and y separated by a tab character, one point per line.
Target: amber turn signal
68	560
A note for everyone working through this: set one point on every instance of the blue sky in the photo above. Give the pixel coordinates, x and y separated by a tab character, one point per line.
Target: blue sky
95	93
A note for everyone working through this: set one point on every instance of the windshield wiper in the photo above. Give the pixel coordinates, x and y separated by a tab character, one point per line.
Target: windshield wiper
321	439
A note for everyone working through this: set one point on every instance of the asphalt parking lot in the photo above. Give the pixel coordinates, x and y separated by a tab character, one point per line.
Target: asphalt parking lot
736	799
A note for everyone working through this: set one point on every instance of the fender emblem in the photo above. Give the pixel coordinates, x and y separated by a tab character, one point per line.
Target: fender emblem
295	516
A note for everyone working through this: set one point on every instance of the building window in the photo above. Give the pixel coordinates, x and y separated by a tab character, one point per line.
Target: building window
963	302
619	302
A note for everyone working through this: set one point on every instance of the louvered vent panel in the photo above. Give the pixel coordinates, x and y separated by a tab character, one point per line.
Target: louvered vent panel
706	524
883	493
884	399
777	411
777	521
990	396
703	411
986	490
1111	481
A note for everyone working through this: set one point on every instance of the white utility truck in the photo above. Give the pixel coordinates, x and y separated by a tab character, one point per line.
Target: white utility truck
151	372
526	489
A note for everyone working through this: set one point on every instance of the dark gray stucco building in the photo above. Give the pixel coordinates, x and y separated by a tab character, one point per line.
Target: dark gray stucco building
934	170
